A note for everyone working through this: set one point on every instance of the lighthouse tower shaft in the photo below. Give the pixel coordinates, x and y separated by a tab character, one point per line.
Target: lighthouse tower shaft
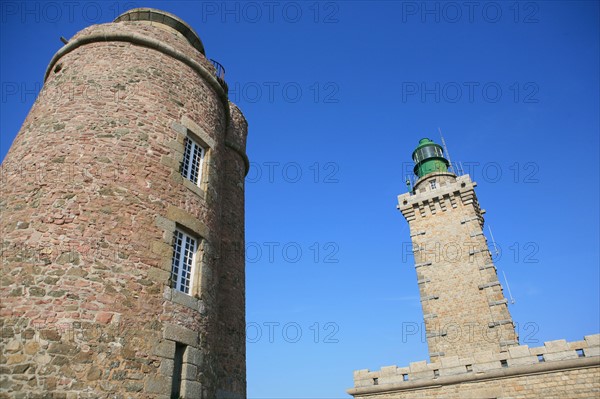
463	304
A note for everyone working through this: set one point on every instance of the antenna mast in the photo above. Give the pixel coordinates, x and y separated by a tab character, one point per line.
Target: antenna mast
446	149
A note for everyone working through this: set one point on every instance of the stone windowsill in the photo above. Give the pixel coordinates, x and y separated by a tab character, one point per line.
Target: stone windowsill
183	299
194	188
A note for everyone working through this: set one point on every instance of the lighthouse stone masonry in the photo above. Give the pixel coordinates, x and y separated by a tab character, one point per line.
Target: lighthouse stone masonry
463	305
473	347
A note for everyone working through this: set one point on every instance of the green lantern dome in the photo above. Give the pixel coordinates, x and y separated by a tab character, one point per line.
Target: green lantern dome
429	158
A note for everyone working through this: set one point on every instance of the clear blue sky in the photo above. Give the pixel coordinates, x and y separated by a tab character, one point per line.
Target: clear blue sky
337	95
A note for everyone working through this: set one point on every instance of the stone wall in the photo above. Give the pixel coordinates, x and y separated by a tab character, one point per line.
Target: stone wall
559	369
463	303
91	195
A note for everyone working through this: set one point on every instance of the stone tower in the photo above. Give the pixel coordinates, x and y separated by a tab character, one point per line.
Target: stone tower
463	305
473	348
123	222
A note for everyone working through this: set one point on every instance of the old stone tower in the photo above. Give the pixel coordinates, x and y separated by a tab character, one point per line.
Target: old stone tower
123	222
473	348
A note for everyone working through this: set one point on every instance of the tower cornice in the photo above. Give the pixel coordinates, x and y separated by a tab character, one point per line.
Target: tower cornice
162	17
450	191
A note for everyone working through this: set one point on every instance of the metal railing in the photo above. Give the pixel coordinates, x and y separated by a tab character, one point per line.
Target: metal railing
219	70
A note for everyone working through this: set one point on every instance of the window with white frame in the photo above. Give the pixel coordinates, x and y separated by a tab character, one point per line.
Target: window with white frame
193	157
433	184
182	266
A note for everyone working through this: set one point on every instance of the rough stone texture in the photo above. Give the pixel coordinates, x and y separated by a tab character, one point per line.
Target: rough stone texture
573	384
231	330
90	188
457	280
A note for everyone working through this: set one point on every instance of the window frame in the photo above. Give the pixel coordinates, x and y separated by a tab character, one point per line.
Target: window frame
177	278
433	184
191	147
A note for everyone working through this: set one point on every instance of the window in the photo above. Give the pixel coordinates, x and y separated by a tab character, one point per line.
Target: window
436	373
503	363
433	184
430	151
184	254
404	377
580	353
375	381
469	368
541	358
177	369
193	157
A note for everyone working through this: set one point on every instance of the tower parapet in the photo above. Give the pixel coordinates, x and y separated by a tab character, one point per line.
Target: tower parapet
487	374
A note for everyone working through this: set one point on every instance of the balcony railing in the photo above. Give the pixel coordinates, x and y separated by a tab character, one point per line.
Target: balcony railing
219	69
220	73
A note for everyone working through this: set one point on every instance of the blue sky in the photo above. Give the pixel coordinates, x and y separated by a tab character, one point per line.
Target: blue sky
337	95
